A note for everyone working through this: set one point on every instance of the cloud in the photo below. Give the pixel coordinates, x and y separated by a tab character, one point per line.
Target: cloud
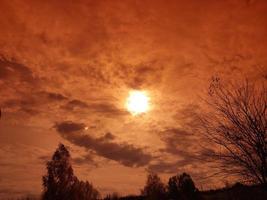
34	102
177	141
182	146
106	108
85	160
105	146
22	105
191	161
69	127
8	191
188	116
10	69
164	167
109	136
44	158
141	75
73	104
78	60
55	96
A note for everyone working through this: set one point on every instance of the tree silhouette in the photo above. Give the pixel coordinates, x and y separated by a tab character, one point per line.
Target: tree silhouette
182	187
60	178
60	182
154	188
173	188
237	124
113	196
187	186
84	191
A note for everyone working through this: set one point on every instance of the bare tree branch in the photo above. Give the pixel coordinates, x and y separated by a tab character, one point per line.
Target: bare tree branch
237	125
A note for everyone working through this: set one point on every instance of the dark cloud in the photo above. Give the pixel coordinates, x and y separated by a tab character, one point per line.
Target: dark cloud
22	105
105	146
107	108
109	136
85	160
69	127
141	75
10	69
188	116
177	141
164	167
33	103
17	102
74	104
29	111
182	144
44	158
55	96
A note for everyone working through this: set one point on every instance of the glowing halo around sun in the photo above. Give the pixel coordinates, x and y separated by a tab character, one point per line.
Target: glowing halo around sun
137	102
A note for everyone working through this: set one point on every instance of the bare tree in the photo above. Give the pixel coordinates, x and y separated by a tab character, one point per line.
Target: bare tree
236	123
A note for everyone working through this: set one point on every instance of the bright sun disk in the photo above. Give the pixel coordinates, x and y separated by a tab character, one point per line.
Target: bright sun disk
137	102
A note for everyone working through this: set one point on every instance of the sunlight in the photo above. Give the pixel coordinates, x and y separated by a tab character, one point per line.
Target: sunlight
137	102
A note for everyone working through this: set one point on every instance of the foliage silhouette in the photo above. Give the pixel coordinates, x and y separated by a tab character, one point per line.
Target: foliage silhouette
60	182
182	187
154	188
113	196
173	188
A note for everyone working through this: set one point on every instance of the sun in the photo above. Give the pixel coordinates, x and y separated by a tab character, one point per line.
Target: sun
137	102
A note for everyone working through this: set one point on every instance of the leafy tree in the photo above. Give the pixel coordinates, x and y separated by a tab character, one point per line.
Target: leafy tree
60	182
154	188
187	186
83	190
173	188
237	125
182	187
60	178
113	196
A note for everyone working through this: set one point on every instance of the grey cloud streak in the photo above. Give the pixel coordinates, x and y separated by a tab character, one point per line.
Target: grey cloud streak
105	146
9	68
184	148
105	108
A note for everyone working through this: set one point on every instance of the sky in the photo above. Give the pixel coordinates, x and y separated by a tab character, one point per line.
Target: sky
67	67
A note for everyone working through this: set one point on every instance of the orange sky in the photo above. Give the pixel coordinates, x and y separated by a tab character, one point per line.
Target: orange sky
69	64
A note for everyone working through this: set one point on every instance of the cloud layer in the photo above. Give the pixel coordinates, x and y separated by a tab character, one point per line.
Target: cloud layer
105	146
75	62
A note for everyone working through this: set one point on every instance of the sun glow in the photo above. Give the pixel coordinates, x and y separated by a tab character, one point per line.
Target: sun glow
137	102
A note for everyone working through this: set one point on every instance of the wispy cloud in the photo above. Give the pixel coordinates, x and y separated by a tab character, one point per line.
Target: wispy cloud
105	146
